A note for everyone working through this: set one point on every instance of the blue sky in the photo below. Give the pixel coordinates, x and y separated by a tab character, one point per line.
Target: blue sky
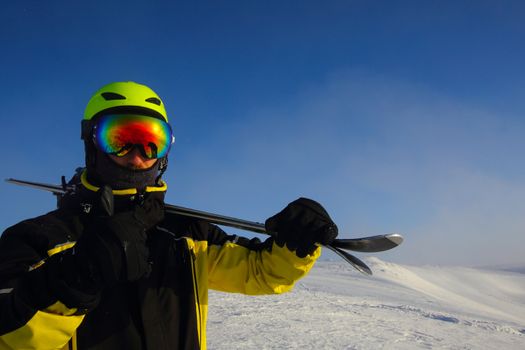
402	116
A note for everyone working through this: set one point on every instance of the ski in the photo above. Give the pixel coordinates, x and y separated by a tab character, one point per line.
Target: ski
352	260
366	244
372	244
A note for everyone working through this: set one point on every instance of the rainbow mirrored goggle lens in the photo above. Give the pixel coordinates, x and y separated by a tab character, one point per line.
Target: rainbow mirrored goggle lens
118	134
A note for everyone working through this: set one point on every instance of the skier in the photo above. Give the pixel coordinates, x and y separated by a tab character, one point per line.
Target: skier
110	270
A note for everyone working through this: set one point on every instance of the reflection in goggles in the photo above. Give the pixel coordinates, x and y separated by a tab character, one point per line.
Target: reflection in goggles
118	134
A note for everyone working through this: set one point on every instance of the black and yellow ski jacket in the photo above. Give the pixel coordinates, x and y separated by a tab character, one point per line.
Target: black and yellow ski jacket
165	310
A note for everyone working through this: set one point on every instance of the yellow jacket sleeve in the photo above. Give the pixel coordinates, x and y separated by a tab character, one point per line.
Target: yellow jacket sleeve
236	268
49	329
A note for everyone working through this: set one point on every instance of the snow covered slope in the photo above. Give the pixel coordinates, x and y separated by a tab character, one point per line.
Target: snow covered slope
400	307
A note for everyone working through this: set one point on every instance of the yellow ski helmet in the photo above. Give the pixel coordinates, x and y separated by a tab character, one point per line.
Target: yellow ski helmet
125	96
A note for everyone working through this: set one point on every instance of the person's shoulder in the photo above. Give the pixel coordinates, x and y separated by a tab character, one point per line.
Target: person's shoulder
48	229
37	221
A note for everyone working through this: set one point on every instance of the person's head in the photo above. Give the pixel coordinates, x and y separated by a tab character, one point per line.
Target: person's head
127	137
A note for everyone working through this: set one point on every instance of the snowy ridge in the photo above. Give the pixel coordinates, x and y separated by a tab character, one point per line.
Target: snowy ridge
400	307
486	292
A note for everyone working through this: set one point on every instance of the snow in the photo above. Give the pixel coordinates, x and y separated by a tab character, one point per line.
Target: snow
399	307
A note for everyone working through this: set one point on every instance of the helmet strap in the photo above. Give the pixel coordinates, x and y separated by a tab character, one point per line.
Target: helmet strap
163	165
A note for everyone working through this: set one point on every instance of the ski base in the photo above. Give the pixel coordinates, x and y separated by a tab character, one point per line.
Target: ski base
372	244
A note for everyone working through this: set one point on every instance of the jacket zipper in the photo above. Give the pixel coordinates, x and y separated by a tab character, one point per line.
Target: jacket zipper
196	293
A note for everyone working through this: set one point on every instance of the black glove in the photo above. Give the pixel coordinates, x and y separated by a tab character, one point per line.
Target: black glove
301	225
116	243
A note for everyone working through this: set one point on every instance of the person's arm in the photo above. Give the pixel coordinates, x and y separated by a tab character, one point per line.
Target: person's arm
31	317
46	289
252	267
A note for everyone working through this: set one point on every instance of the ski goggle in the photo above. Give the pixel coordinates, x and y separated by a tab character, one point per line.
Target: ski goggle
119	134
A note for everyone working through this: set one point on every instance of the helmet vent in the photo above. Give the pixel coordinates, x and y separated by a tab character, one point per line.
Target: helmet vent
108	96
153	100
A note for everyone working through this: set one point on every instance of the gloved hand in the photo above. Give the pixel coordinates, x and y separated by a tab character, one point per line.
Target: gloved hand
302	225
116	243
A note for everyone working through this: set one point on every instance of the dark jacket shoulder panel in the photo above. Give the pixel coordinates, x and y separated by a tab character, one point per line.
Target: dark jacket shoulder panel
200	230
30	241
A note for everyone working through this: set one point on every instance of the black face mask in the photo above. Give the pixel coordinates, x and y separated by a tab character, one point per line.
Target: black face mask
107	172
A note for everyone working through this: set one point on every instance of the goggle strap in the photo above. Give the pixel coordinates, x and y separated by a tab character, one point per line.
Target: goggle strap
86	132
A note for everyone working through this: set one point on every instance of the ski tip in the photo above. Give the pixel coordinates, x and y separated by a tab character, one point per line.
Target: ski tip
395	238
365	270
14	181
